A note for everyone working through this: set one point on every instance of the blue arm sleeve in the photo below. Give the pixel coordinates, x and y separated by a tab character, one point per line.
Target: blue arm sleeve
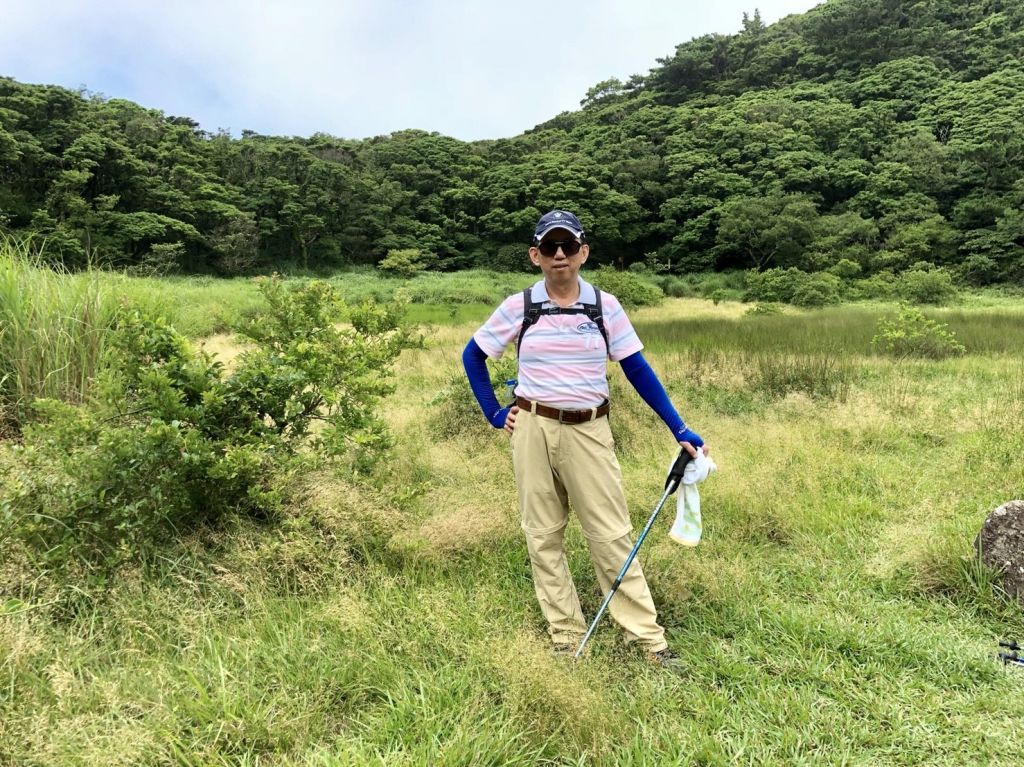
643	378
475	361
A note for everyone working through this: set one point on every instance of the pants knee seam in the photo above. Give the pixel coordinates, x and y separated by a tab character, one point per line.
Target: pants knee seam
608	539
533	531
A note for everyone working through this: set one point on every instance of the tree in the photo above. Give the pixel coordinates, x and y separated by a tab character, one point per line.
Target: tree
773	230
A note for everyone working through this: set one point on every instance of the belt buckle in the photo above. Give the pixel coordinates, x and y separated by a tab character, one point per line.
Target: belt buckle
561	413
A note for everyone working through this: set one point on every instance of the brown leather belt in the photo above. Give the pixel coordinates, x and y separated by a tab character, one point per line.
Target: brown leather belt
564	416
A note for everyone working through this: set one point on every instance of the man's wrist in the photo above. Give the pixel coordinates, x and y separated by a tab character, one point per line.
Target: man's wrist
499	416
686	434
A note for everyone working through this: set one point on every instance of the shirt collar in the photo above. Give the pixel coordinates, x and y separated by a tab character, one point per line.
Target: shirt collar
588	295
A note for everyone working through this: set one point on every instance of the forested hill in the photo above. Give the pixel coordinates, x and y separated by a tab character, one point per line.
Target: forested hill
881	132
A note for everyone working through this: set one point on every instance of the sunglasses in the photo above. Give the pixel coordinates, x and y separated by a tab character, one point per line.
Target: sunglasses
550	247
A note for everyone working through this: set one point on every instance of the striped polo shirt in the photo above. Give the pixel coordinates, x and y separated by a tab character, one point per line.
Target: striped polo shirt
562	360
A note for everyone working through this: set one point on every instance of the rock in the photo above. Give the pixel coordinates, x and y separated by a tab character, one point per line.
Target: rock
1000	544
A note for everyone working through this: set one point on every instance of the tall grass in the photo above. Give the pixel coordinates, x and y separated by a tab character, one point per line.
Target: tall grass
53	327
197	306
474	286
846	329
200	306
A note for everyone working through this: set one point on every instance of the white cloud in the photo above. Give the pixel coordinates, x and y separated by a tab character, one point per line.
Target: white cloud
468	69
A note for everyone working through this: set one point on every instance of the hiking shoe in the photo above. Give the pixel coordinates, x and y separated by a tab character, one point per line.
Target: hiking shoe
564	649
665	659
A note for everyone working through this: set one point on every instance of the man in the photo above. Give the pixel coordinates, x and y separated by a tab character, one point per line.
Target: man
562	447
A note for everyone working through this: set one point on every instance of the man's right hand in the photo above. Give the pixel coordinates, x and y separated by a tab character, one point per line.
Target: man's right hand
510	419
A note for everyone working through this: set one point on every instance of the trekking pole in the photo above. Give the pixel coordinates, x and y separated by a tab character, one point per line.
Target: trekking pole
1011	658
675	476
510	384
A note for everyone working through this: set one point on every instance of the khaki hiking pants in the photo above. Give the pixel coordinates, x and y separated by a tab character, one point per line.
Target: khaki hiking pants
557	464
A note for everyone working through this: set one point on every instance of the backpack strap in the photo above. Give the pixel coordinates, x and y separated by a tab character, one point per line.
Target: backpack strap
531	311
596	316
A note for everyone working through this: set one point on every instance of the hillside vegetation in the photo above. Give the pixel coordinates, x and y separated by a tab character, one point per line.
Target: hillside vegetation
864	135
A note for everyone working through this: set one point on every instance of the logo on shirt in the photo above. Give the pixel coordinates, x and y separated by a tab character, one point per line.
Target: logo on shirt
587	327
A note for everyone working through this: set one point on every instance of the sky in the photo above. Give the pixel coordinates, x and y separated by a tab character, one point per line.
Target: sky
472	70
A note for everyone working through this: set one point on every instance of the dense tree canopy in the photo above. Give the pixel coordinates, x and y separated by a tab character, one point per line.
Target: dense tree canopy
873	132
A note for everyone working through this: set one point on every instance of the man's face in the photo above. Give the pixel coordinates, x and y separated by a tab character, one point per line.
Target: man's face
554	260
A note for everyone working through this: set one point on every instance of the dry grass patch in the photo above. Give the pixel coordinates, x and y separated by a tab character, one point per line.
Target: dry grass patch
22	639
347	611
690	308
465	529
224	347
710	569
556	697
342	508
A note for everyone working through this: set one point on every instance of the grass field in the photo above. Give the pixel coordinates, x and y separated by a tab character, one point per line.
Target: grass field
833	613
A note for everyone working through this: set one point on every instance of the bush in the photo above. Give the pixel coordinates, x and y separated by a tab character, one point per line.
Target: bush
403	263
162	259
793	286
818	289
507	258
845	269
977	270
706	283
932	286
763	310
911	334
629	288
674	286
877	286
171	442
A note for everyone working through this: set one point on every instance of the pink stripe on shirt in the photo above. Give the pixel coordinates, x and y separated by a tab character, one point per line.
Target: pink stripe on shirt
562	361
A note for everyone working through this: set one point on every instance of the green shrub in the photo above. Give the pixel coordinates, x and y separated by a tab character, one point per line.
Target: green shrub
774	285
977	270
763	310
654	264
674	286
845	269
307	367
446	290
793	286
911	334
170	441
403	263
926	286
819	289
507	258
706	284
162	259
877	286
631	289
